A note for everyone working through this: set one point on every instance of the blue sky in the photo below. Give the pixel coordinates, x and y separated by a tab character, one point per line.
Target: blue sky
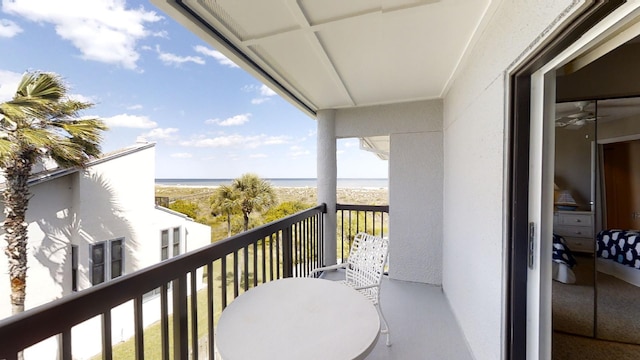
151	79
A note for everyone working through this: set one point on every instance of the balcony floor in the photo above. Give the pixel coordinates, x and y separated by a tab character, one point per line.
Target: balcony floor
421	322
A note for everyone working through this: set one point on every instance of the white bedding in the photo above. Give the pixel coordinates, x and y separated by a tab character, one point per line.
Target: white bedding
563	273
622	272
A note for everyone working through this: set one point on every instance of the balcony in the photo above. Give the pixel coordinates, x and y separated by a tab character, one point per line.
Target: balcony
421	321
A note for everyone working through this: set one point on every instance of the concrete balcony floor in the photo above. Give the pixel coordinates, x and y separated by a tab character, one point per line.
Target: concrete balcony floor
421	322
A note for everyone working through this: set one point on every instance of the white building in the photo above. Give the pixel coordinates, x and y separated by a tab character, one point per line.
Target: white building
90	226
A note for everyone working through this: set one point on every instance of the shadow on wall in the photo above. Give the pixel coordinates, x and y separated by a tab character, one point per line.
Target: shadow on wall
96	215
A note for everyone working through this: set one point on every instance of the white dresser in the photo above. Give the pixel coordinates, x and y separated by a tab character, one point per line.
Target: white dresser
577	229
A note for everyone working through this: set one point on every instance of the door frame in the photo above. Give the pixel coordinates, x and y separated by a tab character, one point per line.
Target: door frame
525	339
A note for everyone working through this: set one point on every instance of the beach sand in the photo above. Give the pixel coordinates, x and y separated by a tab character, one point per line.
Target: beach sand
356	196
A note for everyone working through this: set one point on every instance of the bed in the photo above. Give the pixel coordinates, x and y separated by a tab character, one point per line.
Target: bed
563	261
618	254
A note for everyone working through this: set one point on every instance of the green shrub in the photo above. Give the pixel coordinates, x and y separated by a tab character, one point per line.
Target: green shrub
284	209
185	207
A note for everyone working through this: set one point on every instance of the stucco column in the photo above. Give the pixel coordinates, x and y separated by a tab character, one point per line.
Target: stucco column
327	179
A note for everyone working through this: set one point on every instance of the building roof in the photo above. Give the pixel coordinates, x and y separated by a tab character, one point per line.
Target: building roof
54	172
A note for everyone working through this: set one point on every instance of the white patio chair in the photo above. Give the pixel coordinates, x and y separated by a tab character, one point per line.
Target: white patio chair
364	269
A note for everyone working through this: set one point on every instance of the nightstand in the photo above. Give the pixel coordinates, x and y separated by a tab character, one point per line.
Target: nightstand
577	229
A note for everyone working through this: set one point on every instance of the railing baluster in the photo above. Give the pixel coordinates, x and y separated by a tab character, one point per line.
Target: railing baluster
287	253
246	267
65	350
139	327
210	312
255	264
164	321
278	246
271	239
194	316
223	280
236	279
107	351
264	260
180	326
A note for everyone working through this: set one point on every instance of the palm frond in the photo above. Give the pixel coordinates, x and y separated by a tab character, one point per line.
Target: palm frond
43	86
6	149
66	153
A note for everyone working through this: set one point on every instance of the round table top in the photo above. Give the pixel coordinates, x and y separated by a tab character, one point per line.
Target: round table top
298	318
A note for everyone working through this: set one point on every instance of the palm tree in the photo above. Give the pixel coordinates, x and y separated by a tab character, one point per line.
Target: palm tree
225	200
254	194
40	122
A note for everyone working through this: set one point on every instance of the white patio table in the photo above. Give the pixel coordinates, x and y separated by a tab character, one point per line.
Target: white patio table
298	318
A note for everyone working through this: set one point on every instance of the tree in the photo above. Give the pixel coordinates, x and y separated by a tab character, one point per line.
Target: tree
225	200
40	122
253	194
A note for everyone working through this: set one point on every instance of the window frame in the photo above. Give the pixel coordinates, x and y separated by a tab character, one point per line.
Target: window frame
107	260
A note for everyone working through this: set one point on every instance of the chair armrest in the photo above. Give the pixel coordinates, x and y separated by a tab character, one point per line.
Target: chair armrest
325	268
366	287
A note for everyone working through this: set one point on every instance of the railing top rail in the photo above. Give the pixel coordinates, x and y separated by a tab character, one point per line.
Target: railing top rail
81	306
383	208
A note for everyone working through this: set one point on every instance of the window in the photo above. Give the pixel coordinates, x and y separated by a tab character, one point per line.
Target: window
106	261
74	267
170	243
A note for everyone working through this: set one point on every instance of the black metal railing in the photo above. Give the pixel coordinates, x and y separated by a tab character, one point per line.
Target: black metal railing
352	219
288	247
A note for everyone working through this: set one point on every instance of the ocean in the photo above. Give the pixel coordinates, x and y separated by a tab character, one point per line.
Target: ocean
304	182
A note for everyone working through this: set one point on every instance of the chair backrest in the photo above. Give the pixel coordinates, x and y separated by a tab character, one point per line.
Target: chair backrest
367	258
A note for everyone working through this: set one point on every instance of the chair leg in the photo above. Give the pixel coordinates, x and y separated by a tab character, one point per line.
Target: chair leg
385	329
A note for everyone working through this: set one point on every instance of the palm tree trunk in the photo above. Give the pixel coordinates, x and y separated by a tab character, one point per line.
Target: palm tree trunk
246	221
228	224
16	201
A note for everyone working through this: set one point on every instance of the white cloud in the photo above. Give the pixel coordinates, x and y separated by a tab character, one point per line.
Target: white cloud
350	144
134	107
9	28
266	91
161	133
236	140
130	121
297	151
258	156
232	121
181	155
9	81
222	60
103	30
258	101
82	98
173	59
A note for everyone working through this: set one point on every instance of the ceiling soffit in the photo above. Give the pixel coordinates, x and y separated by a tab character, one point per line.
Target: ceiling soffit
338	54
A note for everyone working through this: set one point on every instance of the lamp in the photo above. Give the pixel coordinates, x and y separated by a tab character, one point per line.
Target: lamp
565	201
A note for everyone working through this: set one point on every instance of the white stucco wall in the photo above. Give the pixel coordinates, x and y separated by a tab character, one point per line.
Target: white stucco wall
109	200
415	181
474	172
115	199
48	250
415	198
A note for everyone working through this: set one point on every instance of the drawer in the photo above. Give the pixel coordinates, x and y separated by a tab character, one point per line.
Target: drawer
574	219
580	244
574	231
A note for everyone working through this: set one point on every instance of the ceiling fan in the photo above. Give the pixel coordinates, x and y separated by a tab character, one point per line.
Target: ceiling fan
577	118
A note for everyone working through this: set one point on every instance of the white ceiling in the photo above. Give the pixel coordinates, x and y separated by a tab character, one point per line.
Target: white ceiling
338	53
